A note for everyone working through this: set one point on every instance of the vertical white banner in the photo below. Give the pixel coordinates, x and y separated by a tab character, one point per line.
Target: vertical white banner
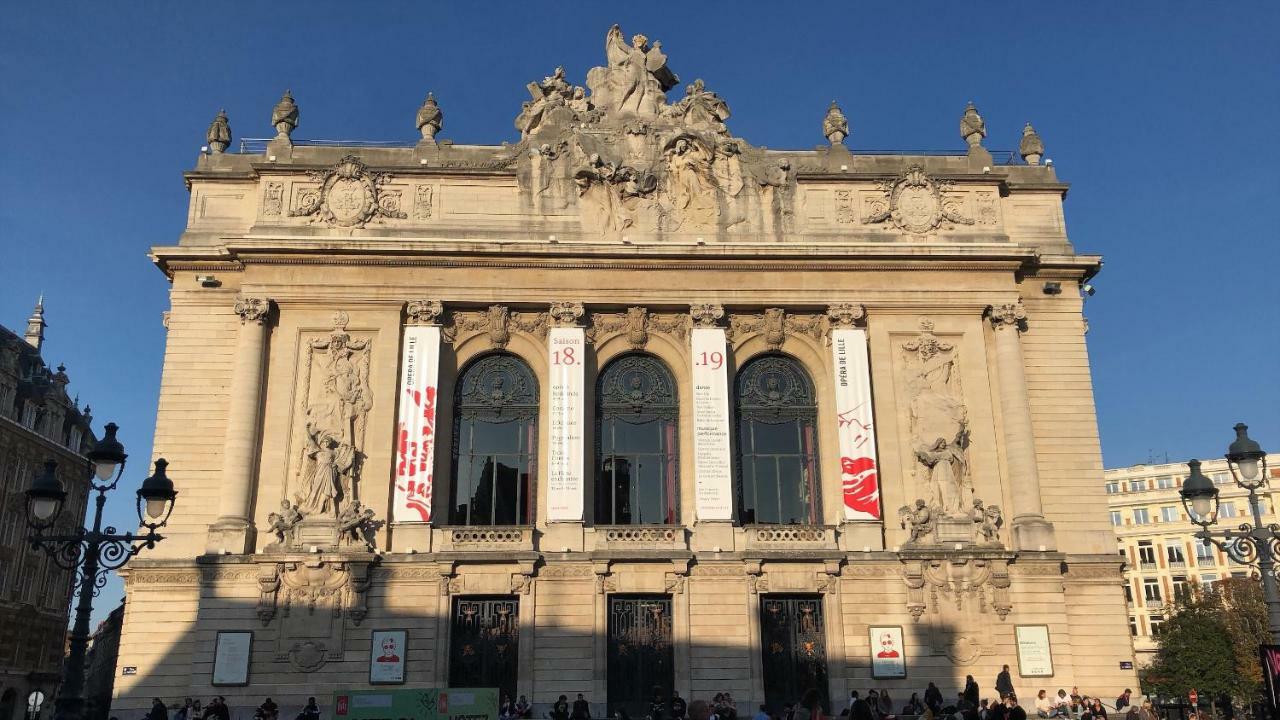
713	477
565	471
416	424
855	424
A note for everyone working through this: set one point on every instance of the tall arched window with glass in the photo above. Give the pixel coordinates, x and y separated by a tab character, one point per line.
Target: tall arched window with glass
495	440
636	418
777	418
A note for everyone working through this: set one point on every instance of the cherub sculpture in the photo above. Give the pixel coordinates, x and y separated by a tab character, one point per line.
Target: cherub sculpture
918	519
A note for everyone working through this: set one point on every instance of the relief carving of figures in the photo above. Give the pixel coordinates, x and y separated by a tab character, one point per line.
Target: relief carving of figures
612	197
914	203
775	324
636	78
349	196
335	408
690	188
939	422
637	323
499	322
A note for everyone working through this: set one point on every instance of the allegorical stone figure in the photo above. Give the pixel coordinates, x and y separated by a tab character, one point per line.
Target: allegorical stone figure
284	116
939	423
835	126
636	78
219	134
430	118
1032	147
972	127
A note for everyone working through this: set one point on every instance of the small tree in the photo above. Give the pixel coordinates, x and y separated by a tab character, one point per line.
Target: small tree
1195	649
1210	642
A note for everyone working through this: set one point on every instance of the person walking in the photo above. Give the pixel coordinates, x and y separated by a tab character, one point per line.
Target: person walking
1004	683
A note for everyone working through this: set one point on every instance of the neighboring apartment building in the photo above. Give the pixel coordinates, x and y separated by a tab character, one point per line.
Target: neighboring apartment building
1156	538
100	665
38	422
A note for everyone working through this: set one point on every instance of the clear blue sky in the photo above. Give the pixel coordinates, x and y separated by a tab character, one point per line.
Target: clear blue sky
1162	115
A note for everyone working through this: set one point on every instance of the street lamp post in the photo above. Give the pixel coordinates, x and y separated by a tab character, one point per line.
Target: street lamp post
1248	543
91	554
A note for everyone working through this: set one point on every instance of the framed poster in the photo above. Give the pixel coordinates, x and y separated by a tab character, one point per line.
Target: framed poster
386	657
1035	658
231	653
888	656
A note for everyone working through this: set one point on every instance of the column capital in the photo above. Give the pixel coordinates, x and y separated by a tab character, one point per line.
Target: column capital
706	315
423	312
253	309
1007	316
846	314
566	313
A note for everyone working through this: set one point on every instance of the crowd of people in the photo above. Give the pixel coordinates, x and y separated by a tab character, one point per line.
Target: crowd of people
876	704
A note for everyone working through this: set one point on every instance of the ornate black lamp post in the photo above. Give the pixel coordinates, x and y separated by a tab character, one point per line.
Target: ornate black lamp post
91	554
1249	543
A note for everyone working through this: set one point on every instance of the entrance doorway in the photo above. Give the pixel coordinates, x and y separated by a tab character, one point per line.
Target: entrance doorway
641	657
484	643
793	649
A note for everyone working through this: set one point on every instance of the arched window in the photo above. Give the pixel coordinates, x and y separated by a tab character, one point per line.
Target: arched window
636	418
777	418
495	440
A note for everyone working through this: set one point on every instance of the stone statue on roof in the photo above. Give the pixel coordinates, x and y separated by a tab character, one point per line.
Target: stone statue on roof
1032	147
835	126
972	127
284	116
430	118
701	109
636	78
219	134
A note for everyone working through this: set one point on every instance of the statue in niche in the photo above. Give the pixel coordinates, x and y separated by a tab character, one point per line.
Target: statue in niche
939	422
636	78
335	410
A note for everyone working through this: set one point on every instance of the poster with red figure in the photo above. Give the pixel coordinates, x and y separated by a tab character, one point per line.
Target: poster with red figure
416	424
855	424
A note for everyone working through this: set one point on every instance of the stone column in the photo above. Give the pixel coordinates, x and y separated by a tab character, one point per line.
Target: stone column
233	530
1030	530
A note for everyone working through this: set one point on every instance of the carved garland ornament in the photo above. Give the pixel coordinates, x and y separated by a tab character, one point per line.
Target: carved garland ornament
349	196
775	325
499	322
957	580
637	323
915	203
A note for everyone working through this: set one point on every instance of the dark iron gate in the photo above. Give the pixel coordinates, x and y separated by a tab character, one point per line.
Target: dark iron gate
793	649
640	652
484	643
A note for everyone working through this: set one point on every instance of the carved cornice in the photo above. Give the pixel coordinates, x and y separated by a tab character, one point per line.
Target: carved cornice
846	315
499	322
706	315
142	577
566	571
565	313
638	323
1100	571
775	325
1008	316
253	309
423	312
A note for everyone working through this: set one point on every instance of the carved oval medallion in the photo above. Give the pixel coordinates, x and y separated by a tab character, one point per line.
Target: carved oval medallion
349	200
916	209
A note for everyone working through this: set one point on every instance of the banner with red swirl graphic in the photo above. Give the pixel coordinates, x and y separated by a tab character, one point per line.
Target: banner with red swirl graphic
416	424
855	424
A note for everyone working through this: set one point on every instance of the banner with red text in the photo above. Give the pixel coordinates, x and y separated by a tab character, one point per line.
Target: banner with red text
565	471
713	477
855	424
416	424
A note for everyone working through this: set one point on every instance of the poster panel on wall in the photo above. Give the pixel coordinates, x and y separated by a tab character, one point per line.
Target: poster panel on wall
565	471
1035	658
711	463
416	425
386	657
855	424
231	652
888	656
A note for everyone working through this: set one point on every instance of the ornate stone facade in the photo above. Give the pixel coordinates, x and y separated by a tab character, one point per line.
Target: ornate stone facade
624	272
